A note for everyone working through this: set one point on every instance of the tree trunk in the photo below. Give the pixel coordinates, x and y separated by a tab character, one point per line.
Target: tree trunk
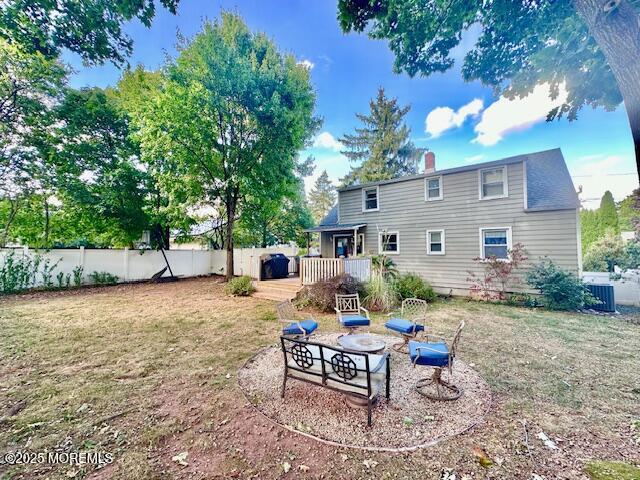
46	223
12	215
617	33
231	213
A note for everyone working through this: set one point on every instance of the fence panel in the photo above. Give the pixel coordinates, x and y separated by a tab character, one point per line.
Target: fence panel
315	269
359	268
626	289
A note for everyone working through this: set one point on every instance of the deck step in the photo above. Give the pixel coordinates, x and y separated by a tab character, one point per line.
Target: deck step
277	290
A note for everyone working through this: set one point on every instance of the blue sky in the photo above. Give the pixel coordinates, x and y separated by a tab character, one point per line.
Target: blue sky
467	124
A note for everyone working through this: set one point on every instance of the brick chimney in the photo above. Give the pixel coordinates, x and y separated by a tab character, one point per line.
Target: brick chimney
429	162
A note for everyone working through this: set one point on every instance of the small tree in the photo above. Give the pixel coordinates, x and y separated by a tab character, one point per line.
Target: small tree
497	274
608	213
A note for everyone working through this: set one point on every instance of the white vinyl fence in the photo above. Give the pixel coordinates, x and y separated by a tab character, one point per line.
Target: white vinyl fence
626	290
131	265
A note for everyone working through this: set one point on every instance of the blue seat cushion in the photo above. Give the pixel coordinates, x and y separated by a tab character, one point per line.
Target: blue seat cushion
437	354
294	329
403	326
354	321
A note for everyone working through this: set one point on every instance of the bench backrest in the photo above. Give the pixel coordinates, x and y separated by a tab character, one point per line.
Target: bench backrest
348	303
323	363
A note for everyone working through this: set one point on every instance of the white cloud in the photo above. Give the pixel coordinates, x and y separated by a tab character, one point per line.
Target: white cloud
473	158
504	116
441	119
326	140
598	173
308	64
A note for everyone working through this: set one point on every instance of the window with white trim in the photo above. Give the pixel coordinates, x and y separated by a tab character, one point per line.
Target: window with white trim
493	183
433	188
495	242
435	242
370	199
389	242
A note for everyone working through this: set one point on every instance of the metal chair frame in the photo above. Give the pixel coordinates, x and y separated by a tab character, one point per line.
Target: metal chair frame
349	304
442	387
287	315
415	311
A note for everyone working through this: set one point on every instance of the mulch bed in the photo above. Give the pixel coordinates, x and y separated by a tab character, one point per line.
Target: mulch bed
407	421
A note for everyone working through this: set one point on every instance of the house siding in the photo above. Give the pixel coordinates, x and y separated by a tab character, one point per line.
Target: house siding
461	214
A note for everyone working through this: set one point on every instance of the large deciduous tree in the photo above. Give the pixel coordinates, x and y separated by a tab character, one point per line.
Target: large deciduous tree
382	144
591	48
230	118
322	197
91	28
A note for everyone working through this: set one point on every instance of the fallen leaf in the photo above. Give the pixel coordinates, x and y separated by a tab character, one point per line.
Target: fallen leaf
286	466
482	457
181	458
408	421
303	468
344	457
227	376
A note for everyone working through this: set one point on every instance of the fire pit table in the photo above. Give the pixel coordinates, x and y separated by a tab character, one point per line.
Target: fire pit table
362	342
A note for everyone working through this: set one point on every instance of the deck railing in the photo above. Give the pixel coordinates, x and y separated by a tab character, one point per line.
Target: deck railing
315	269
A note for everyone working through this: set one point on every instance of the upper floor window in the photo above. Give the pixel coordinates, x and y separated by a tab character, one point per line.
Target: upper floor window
435	242
370	199
433	188
389	242
493	183
495	242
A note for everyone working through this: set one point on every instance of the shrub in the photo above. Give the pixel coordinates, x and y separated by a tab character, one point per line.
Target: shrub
604	254
384	265
522	300
321	295
380	293
240	286
560	289
18	273
498	274
77	275
103	278
410	285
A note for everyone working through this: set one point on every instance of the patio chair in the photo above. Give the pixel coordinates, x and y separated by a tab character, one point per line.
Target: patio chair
413	316
437	354
293	327
348	310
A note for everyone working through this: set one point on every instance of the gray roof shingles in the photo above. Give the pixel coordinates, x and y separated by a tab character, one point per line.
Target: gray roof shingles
549	184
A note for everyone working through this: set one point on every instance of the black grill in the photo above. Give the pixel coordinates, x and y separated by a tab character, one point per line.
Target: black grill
274	265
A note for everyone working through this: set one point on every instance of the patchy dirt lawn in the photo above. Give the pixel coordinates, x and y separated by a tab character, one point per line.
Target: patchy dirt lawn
147	373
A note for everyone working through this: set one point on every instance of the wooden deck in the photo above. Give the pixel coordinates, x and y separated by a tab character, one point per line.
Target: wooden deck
279	289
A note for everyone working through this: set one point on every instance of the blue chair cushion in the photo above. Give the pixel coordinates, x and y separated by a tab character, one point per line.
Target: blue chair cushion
354	321
403	326
293	328
436	356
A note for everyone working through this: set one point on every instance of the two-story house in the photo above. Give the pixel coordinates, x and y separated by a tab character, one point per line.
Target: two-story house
434	224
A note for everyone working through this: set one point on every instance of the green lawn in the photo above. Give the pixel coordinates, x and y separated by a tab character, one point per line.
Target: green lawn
148	371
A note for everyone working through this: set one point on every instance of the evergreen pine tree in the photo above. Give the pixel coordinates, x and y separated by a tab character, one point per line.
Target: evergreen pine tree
322	197
608	214
381	146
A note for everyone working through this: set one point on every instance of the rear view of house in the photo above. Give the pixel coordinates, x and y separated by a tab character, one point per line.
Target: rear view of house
434	224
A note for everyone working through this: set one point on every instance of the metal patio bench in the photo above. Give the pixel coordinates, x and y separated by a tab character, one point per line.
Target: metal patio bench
365	376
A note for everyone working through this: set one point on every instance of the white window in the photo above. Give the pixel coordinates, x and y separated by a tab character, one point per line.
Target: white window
433	188
370	199
495	242
493	183
435	242
389	242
